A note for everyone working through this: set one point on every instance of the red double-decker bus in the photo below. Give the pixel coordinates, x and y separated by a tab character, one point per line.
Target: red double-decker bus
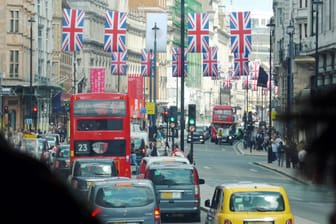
100	128
222	116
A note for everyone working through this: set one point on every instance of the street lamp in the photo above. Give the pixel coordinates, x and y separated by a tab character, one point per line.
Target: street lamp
317	3
271	25
31	20
290	32
155	29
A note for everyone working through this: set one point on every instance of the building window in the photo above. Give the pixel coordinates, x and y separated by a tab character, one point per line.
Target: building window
14	64
14	22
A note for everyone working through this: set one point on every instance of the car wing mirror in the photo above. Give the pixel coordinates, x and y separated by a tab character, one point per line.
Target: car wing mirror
207	203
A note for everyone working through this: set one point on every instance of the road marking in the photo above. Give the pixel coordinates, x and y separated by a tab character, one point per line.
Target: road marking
253	170
207	167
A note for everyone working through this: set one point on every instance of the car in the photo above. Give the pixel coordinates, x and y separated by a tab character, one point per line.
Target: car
146	161
248	202
35	147
177	187
124	200
84	171
61	165
52	138
227	137
198	136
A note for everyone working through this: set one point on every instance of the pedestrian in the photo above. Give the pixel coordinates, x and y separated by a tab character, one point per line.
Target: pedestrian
154	151
133	158
281	154
274	150
177	151
219	135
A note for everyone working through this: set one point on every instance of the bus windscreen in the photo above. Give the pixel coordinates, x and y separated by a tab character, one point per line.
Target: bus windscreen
100	108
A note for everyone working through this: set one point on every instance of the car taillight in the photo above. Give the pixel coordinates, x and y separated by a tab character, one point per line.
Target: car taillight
143	151
196	186
226	221
289	221
157	215
75	184
95	212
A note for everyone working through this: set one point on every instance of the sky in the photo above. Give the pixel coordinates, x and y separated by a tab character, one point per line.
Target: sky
251	5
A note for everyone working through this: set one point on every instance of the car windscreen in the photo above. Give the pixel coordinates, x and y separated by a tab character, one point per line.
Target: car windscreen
63	152
124	196
165	176
90	169
257	201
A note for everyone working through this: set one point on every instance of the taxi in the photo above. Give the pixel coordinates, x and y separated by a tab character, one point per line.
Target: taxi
249	203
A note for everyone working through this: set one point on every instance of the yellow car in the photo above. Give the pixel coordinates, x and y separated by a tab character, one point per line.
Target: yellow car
249	203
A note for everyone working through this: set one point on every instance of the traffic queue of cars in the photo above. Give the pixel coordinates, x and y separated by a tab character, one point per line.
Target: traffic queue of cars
166	186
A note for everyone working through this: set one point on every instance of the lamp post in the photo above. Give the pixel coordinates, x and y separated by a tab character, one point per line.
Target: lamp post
290	32
31	20
155	28
271	25
317	3
182	123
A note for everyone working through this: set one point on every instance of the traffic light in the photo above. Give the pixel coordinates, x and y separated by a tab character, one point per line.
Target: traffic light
165	115
5	109
191	117
35	109
173	115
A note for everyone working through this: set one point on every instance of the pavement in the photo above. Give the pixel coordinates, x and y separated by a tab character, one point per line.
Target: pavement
207	191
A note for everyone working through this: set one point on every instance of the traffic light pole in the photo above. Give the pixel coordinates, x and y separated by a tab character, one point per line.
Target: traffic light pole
191	152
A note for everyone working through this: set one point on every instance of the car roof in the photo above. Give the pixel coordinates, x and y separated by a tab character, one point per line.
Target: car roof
113	180
172	165
94	159
249	185
164	159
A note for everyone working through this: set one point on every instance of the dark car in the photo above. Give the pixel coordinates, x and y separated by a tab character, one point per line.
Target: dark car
61	165
140	148
177	189
124	200
198	136
87	170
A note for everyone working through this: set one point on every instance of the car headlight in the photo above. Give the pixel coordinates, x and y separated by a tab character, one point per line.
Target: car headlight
230	137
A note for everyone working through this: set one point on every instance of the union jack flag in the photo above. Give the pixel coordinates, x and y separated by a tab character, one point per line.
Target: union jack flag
146	60
119	63
72	29
227	84
254	70
241	67
198	32
115	31
246	83
254	85
210	63
241	35
176	62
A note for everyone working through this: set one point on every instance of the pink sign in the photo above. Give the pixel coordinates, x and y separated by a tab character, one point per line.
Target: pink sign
97	80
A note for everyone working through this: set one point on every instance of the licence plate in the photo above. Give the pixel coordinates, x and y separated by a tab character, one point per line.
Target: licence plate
259	222
126	222
170	195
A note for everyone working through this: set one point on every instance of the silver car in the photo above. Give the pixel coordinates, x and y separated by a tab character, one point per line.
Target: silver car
124	200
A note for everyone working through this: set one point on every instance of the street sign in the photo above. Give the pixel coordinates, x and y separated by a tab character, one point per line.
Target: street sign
7	91
150	108
29	121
